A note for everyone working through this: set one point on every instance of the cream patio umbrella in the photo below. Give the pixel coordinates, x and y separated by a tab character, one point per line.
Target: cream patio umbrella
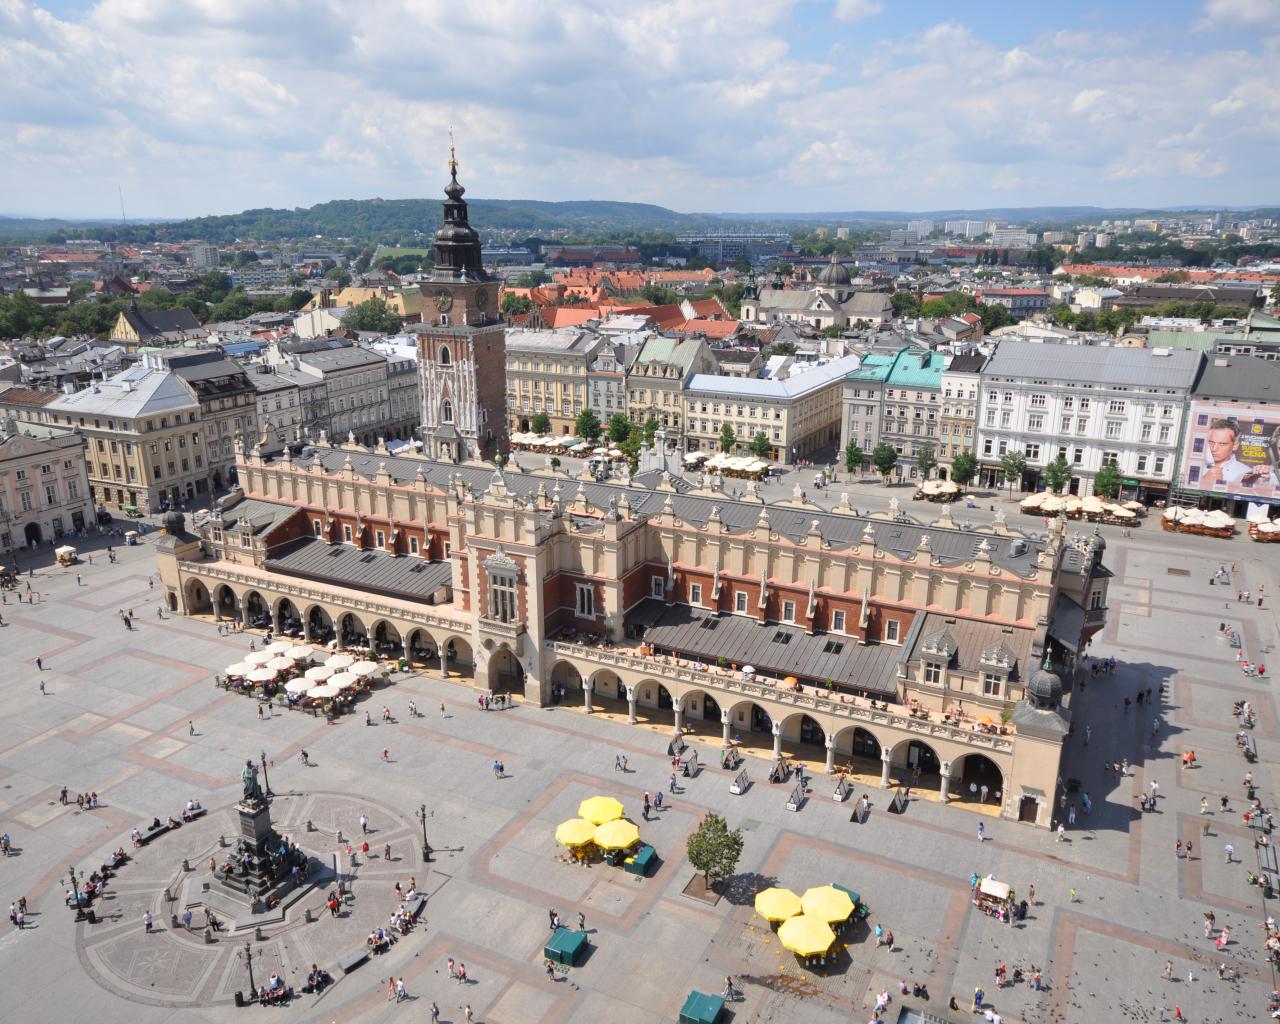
363	668
298	685
320	673
323	691
258	658
300	652
279	646
279	664
342	680
340	661
261	675
239	669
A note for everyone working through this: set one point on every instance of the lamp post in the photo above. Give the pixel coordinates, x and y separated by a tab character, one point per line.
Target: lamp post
266	782
75	888
426	847
246	954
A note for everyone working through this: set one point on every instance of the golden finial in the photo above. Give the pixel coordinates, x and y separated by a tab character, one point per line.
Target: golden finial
453	158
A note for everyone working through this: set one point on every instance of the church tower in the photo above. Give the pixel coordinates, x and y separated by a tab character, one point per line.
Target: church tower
462	345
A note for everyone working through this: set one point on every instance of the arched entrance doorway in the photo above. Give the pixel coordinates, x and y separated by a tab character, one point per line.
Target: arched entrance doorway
606	686
506	674
977	780
460	659
225	604
701	715
566	684
386	640
319	625
255	610
288	621
33	535
858	753
423	650
198	600
352	632
916	764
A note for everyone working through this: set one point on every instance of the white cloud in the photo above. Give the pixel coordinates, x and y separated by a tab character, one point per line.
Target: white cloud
857	10
1247	12
198	106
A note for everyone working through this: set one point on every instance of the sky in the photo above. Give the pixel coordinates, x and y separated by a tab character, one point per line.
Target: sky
194	107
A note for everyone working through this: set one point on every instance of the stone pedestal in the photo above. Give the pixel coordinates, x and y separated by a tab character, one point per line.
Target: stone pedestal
255	827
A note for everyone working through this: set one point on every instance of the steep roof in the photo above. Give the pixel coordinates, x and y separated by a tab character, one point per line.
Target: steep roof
152	323
140	391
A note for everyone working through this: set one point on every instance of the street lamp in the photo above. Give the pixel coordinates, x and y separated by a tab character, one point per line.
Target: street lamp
246	955
266	782
75	888
426	847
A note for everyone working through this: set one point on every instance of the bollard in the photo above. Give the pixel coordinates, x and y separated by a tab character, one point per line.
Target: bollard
239	998
257	933
204	886
208	936
186	865
222	841
340	839
168	897
173	922
307	916
310	827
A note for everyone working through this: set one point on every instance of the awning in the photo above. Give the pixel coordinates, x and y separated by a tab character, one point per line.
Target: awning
997	890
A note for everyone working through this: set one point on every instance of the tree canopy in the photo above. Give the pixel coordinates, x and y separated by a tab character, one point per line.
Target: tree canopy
964	467
885	458
587	425
714	849
371	315
853	457
1108	481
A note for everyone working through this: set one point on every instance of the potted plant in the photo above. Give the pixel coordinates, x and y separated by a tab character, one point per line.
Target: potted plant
722	661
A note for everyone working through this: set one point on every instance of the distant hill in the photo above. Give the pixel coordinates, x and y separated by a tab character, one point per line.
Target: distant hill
1015	214
371	219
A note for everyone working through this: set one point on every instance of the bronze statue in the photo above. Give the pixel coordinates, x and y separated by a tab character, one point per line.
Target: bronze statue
252	791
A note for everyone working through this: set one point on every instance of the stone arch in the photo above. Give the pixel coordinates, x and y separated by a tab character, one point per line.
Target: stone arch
257	612
979	771
505	672
653	693
287	618
459	657
226	604
748	716
700	705
914	762
422	649
197	597
352	632
387	641
858	742
319	624
606	685
805	729
566	683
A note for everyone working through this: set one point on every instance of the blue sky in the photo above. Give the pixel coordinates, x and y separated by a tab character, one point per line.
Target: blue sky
212	106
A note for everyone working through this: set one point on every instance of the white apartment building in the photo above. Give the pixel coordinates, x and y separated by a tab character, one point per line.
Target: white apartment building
1090	404
44	485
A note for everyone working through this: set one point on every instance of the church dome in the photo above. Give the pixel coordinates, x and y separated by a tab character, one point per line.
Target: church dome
833	274
1044	688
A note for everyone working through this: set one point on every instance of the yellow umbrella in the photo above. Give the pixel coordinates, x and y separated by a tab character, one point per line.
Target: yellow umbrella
575	832
826	903
617	835
599	809
806	936
777	904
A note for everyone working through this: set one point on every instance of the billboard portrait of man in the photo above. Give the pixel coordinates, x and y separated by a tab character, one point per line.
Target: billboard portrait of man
1221	467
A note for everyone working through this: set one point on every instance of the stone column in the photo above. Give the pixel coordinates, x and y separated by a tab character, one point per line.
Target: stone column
587	687
886	760
444	660
724	722
777	740
678	708
831	755
631	705
945	771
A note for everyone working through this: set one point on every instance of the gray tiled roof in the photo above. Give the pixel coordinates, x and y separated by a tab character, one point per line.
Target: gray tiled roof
1243	378
376	571
261	515
1015	553
1110	366
772	648
971	637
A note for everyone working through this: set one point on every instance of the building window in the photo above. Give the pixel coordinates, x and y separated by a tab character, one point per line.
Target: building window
1158	467
586	604
1032	452
837	622
445	357
446	411
932	673
992	684
788	611
1095	600
891	631
1142	464
413	545
740	601
502	598
695	593
346	533
1114	429
1116	407
382	538
1035	421
317	527
657	586
25	499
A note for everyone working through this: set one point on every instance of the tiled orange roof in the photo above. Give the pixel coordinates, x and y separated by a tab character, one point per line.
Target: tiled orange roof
568	316
709	328
1194	275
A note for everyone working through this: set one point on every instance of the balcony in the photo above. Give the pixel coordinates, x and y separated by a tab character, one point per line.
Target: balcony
853	709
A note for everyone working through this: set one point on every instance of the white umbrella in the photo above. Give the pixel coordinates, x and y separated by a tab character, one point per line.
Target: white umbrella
1034	500
261	675
298	685
341	680
340	661
300	653
279	646
279	664
363	668
239	669
258	658
320	673
323	690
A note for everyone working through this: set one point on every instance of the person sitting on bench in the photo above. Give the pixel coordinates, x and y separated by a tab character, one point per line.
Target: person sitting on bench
317	979
136	836
155	824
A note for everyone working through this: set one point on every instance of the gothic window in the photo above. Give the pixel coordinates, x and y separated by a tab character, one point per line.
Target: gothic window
502	598
446	411
445	357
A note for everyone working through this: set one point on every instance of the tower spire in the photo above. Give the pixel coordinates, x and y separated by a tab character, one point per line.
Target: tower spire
453	155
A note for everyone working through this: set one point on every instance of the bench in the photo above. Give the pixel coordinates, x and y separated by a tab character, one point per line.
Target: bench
638	863
1249	749
701	1009
150	833
199	812
353	959
413	908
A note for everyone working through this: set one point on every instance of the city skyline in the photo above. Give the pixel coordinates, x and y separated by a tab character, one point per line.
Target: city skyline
204	108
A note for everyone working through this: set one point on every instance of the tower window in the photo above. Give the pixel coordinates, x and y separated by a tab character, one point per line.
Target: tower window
445	357
446	411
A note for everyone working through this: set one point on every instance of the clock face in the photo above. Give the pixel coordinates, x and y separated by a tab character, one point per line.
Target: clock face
443	300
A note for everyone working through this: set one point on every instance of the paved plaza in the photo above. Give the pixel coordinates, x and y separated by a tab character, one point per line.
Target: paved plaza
134	716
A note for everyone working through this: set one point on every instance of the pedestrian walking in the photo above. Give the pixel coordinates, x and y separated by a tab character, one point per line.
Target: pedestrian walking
672	782
386	852
1031	894
40	664
983	791
386	754
400	993
582	921
1062	831
260	713
146	921
467	1015
1188	849
462	973
1229	850
42	686
497	770
982	832
551	971
1071	816
1178	850
646	805
442	711
624	764
1204	805
1167	973
364	825
435	1014
391	988
191	728
617	767
451	969
1073	896
1088	734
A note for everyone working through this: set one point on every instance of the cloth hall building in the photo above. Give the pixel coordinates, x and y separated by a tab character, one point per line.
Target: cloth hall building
927	654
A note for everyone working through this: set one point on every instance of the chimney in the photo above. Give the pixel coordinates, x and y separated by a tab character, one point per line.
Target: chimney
68	387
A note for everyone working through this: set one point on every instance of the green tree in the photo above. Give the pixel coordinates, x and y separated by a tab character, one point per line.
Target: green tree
371	315
298	298
926	460
760	446
834	331
993	316
532	279
650	431
1108	481
713	849
727	438
619	427
1012	466
854	456
656	295
341	278
885	458
587	425
782	348
236	306
541	423
905	303
1057	474
515	305
630	446
964	467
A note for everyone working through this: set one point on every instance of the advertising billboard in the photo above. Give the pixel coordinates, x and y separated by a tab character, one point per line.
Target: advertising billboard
1232	450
